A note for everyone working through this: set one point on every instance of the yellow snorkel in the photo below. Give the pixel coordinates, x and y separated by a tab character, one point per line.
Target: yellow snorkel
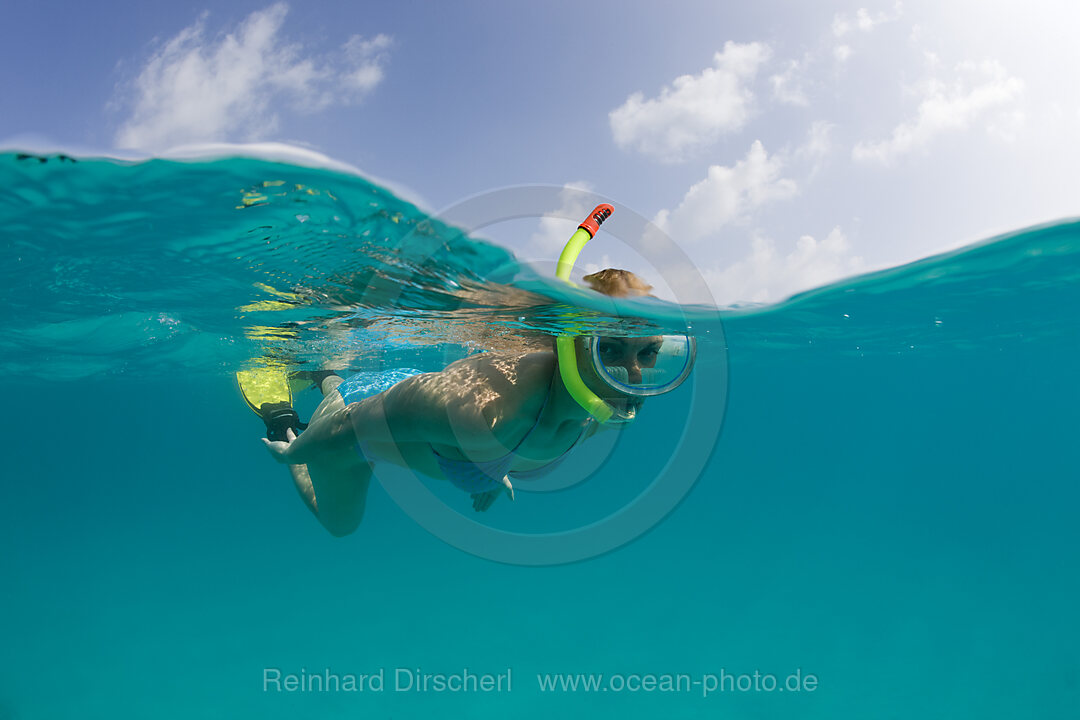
564	344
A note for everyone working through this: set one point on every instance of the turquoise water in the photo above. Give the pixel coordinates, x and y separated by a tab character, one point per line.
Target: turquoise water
890	506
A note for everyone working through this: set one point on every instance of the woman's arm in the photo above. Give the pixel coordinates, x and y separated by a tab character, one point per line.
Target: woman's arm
331	431
301	478
414	410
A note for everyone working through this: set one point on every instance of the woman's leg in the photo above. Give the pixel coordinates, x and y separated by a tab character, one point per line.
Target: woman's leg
335	489
338	497
302	481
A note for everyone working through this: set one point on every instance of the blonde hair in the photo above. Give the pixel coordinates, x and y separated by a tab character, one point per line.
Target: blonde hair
617	283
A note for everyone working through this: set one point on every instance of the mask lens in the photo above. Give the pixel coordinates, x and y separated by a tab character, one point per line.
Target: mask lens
645	366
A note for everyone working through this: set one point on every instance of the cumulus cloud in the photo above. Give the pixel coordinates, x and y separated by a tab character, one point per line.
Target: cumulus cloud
695	110
845	27
983	91
553	231
769	273
816	148
364	62
726	195
818	142
787	85
198	88
863	20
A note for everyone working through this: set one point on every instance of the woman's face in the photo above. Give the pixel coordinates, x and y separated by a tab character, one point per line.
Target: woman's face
633	354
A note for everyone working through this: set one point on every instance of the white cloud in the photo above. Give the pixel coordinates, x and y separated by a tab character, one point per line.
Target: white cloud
818	141
979	90
554	230
196	88
863	21
816	148
845	27
769	274
726	195
787	86
695	111
366	58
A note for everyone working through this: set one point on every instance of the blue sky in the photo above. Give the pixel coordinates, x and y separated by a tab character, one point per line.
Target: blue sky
782	145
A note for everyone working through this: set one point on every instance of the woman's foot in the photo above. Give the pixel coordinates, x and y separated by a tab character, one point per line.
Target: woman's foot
279	419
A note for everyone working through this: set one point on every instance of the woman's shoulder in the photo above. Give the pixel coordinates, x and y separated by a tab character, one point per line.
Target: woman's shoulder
480	380
517	374
505	387
484	401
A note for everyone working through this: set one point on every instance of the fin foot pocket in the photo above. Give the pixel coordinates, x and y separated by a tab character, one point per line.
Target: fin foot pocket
280	417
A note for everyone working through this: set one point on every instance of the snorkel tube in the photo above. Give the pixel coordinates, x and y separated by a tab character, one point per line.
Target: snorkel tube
564	344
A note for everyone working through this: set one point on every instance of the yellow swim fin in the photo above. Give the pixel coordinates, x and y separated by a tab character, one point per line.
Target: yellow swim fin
266	391
264	386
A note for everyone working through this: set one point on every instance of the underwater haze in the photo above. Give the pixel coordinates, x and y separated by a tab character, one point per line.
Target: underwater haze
885	527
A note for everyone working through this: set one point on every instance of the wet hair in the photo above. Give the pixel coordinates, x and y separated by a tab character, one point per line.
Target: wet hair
617	283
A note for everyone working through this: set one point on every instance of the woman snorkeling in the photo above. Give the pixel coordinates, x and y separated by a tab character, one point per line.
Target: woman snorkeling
483	422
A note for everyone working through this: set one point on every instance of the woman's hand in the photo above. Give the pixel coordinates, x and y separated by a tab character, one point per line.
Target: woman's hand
279	449
482	501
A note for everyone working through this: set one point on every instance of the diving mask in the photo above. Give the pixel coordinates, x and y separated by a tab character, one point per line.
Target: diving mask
642	366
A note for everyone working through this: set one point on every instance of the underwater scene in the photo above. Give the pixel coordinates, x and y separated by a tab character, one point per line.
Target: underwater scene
862	502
